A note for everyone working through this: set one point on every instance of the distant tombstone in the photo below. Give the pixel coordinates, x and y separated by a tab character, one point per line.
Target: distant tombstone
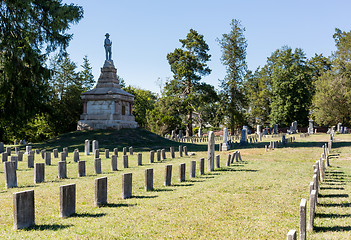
39	172
87	147
310	127
10	174
180	133
76	155
125	151
67	200
158	155
139	159
14	159
126	185
152	156
229	160
96	153
107	153
20	156
2	147
218	163
182	172
168	175
125	161
243	139
131	150
173	135
17	149
225	146
55	151
100	191
149	179
97	165
115	151
28	149
114	163
62	169
48	158
171	149
81	168
210	151
23	209
338	127
8	151
63	156
202	166
43	154
180	151
95	145
30	161
163	153
65	150
185	148
192	169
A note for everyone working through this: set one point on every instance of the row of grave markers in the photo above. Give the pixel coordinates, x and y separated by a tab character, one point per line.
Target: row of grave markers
23	202
318	177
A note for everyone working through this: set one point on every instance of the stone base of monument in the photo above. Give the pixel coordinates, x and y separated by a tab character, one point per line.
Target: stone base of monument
107	106
225	147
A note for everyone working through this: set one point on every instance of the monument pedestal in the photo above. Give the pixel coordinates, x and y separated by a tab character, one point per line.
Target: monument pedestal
107	105
225	147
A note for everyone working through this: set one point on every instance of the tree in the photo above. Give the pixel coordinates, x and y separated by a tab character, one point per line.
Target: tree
332	101
86	75
291	87
234	57
29	30
144	101
188	65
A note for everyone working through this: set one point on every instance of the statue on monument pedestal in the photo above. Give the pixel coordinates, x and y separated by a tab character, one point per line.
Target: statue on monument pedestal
107	45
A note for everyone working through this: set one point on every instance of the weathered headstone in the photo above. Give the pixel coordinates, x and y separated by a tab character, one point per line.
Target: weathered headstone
139	159
55	152
94	145
28	149
124	151
182	172
81	168
43	154
4	157
97	165
243	139
152	156
225	146
125	161
30	161
107	153
100	191
229	160
171	149
8	151
218	161
192	169
163	153
180	151
210	151
87	147
76	155
303	219
96	153
39	172
168	175
185	149
62	169
202	166
115	151
17	149
67	200
10	174
275	129
310	127
131	150
23	209
14	159
65	150
149	179
126	185
48	158
312	210
114	163
2	147
63	156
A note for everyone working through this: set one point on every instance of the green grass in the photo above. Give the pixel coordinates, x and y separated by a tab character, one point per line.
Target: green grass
255	199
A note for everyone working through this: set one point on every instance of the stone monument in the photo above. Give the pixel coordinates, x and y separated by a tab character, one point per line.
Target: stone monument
107	106
225	146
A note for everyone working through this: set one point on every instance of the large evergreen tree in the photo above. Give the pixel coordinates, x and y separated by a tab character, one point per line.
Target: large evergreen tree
188	65
29	31
234	58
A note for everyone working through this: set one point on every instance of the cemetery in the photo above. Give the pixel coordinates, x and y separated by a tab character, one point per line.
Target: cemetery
204	191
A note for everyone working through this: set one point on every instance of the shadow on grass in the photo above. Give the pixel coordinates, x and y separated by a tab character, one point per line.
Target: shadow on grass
162	190
42	227
182	185
88	215
334	204
194	180
332	215
334	184
117	205
333	180
142	197
331	188
236	170
332	229
333	195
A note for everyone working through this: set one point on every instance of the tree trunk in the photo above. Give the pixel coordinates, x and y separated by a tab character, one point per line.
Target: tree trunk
189	124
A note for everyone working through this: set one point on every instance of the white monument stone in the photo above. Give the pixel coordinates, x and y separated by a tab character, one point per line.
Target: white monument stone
225	146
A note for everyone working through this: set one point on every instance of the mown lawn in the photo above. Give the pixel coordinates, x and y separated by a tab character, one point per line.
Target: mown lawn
255	199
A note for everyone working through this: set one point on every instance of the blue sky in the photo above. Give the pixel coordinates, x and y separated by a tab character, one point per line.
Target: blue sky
143	32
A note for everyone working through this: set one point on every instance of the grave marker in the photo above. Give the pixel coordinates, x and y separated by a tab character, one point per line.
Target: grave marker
62	169
30	161
87	147
126	185
192	169
23	209
114	163
39	172
81	168
140	159
210	151
182	172
202	166
100	191
67	200
10	174
149	179
152	156
125	161
303	204
168	175
97	165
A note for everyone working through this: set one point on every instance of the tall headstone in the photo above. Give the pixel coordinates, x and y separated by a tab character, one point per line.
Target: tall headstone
182	172
210	151
30	161
39	172
76	155
55	152
4	157
152	156
303	221
126	185
62	169
114	163
100	191
97	165
172	152
125	161
67	200
2	147
202	166
107	153
95	145
310	127
28	149
225	146
48	158
168	175
140	159
81	168
10	174
87	147
131	150
23	209
149	179
192	169
243	139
